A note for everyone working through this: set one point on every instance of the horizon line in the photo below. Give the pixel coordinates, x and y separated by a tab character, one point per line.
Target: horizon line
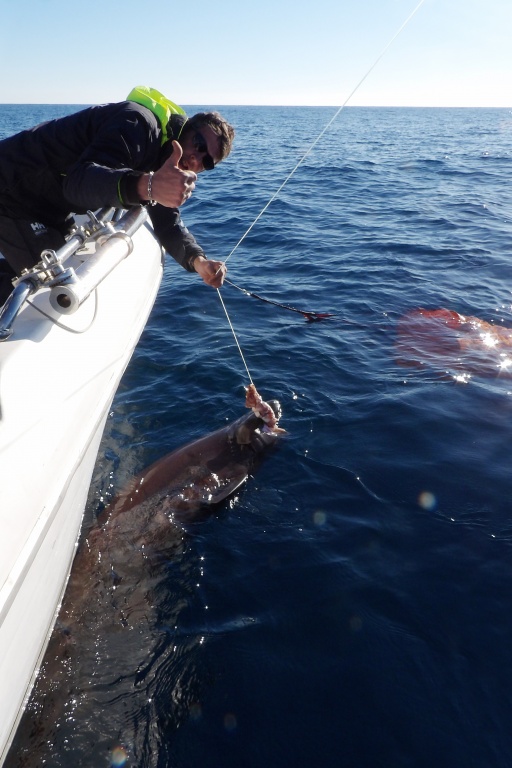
279	106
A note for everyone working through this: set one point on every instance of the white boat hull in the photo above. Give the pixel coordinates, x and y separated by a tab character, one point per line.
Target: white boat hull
58	376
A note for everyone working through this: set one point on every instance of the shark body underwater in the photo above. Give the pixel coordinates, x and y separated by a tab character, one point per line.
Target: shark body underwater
112	644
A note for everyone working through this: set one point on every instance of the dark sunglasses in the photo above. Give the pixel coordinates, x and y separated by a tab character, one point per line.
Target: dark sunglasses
202	147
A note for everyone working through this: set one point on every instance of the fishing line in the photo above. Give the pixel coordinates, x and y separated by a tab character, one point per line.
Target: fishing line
328	125
299	163
234	335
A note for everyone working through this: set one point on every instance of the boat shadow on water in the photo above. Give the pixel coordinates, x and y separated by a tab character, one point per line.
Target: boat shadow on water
116	658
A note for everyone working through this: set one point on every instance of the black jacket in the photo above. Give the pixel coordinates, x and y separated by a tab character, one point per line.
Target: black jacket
88	160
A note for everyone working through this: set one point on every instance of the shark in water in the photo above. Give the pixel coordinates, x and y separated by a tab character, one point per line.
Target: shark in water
113	644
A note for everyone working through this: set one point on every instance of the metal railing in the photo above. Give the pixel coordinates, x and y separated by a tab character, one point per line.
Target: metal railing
71	286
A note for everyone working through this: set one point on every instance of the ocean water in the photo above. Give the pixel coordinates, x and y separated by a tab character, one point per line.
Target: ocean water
351	606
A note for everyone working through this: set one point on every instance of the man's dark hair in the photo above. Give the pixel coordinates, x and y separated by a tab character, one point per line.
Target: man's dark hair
219	126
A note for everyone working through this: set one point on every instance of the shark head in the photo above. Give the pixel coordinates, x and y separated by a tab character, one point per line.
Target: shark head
204	471
250	430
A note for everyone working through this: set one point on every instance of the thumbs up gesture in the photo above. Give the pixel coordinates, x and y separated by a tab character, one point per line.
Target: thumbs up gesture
171	185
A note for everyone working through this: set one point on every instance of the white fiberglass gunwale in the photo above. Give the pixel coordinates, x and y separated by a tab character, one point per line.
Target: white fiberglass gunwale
60	367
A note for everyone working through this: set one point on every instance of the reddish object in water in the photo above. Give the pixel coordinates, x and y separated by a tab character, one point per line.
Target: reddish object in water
443	338
262	409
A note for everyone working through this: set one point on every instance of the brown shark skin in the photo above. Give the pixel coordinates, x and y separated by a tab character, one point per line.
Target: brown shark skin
113	600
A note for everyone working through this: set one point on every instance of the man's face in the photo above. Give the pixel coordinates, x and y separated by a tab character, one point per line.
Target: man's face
200	150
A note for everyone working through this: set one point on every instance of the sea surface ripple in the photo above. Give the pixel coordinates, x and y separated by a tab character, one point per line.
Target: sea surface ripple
351	606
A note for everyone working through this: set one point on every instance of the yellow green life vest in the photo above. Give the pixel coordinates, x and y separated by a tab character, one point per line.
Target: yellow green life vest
159	104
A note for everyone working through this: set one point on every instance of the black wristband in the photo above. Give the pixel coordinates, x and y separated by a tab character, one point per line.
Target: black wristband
128	189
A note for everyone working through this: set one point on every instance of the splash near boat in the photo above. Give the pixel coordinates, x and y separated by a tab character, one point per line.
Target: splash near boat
445	339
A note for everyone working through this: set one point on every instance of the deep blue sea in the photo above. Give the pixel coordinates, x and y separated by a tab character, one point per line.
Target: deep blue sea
352	606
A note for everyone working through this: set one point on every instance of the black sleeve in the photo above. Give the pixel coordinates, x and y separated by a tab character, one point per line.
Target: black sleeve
174	237
128	140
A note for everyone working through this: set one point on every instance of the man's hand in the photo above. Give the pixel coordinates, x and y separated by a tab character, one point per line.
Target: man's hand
171	186
212	272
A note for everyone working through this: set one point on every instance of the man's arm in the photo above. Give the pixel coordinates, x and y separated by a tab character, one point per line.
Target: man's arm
181	244
123	146
120	140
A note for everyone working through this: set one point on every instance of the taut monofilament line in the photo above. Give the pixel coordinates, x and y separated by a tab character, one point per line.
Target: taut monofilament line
293	171
326	127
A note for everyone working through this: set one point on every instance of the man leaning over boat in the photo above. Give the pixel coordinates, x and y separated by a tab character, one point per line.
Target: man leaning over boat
144	150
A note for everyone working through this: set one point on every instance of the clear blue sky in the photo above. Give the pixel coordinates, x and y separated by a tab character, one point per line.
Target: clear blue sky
218	52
